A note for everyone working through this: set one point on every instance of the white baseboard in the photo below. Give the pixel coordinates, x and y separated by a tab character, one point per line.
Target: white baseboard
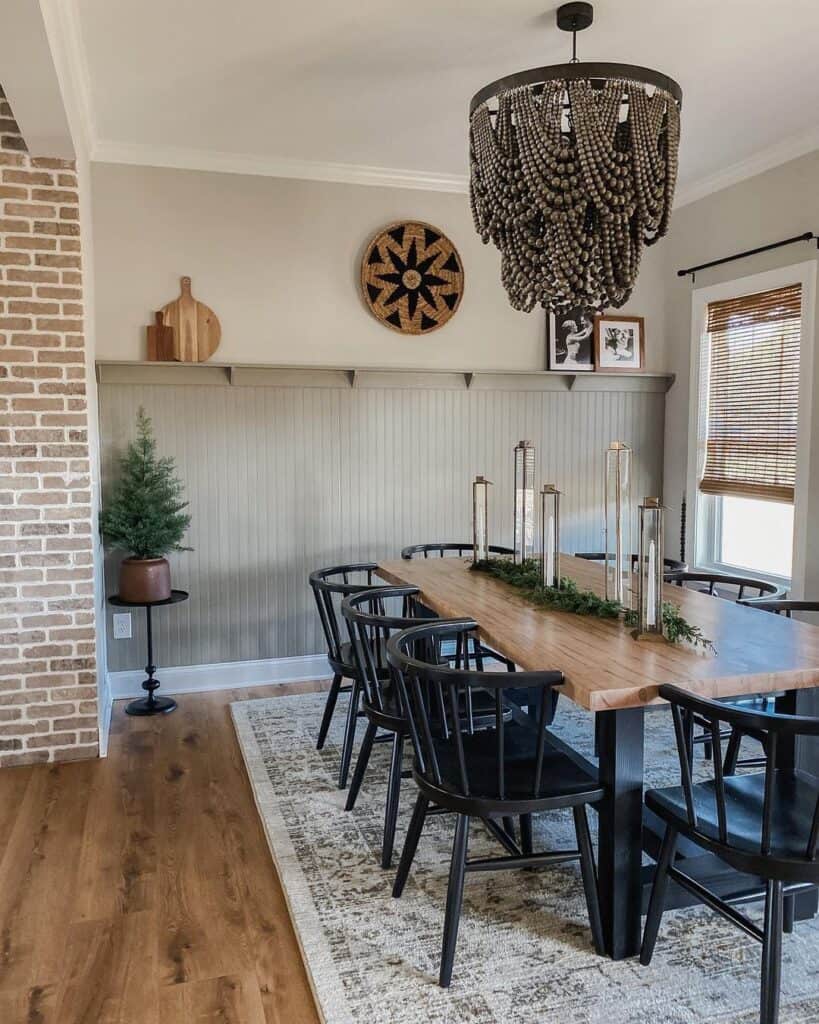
230	675
106	710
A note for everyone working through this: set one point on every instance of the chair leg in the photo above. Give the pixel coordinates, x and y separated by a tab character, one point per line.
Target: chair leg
589	873
789	914
732	753
656	904
349	735
393	796
526	833
410	844
454	899
508	823
329	708
361	765
771	955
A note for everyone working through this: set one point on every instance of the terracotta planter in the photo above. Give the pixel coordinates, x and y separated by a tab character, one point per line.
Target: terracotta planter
144	580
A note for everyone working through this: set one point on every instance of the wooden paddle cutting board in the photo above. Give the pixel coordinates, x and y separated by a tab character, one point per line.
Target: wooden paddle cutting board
196	327
160	341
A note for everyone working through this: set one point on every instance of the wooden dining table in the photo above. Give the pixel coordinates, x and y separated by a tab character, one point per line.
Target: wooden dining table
611	674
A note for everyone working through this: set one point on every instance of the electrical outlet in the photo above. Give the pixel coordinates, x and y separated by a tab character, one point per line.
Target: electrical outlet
122	626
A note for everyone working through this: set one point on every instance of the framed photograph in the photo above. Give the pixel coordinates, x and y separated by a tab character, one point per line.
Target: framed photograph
619	342
570	340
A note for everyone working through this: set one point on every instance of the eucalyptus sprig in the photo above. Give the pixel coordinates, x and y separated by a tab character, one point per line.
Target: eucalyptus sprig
526	578
677	629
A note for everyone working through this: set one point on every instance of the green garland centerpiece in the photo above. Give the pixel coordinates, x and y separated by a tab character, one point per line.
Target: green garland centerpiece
525	577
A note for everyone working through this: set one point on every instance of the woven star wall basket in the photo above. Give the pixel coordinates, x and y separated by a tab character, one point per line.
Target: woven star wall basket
412	277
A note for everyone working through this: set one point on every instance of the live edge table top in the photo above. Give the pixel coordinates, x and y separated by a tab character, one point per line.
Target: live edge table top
604	666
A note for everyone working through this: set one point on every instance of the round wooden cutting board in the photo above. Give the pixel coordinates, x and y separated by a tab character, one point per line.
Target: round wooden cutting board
412	277
196	327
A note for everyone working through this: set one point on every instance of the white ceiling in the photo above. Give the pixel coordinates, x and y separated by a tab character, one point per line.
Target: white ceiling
387	83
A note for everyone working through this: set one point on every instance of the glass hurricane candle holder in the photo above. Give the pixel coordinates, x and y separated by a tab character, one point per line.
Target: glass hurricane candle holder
618	520
480	518
550	535
524	529
650	571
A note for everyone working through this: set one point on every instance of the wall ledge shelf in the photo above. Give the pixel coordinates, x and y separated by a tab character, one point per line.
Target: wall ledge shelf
255	375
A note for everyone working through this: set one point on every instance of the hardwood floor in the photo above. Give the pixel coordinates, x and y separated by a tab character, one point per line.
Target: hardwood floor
139	889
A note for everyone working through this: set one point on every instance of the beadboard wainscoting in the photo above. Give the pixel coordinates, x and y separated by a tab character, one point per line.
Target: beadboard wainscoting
285	479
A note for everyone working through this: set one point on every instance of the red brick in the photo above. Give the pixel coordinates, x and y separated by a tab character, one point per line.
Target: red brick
56	260
53	324
34	242
33	275
17	177
53	195
33	209
50	227
17	259
32	306
15	226
55	163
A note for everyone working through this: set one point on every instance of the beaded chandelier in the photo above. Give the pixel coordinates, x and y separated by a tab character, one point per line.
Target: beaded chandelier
573	169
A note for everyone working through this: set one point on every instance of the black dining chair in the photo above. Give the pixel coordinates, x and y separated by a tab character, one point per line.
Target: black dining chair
767	702
451	550
329	587
765	824
372	617
781	606
729	587
669	564
512	769
726	585
478	648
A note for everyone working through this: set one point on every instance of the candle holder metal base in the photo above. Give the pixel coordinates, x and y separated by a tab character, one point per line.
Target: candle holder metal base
656	637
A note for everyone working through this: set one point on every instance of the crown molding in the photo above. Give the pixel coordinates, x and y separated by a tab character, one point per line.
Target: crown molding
146	155
191	159
62	25
764	160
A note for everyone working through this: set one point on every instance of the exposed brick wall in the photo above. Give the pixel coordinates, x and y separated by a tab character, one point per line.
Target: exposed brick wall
48	693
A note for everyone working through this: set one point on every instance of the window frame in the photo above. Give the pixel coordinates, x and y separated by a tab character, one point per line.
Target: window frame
707	508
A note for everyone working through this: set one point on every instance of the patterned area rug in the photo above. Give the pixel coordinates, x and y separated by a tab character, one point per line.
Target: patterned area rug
524	952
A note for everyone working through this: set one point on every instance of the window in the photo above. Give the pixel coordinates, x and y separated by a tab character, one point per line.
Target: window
747	424
755	535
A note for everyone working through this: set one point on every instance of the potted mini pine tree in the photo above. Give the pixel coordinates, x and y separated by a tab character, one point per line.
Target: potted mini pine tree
145	517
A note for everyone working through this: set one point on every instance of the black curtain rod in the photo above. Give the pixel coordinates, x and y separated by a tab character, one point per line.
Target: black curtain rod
808	236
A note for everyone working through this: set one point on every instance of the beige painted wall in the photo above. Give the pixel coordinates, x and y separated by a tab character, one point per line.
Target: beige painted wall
278	260
778	204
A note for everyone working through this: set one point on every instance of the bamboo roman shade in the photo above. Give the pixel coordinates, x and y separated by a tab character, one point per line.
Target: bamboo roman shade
753	394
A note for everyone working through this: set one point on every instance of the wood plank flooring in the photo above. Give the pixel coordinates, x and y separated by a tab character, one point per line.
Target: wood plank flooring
139	889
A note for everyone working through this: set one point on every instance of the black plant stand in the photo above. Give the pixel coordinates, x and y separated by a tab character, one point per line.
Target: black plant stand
150	705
